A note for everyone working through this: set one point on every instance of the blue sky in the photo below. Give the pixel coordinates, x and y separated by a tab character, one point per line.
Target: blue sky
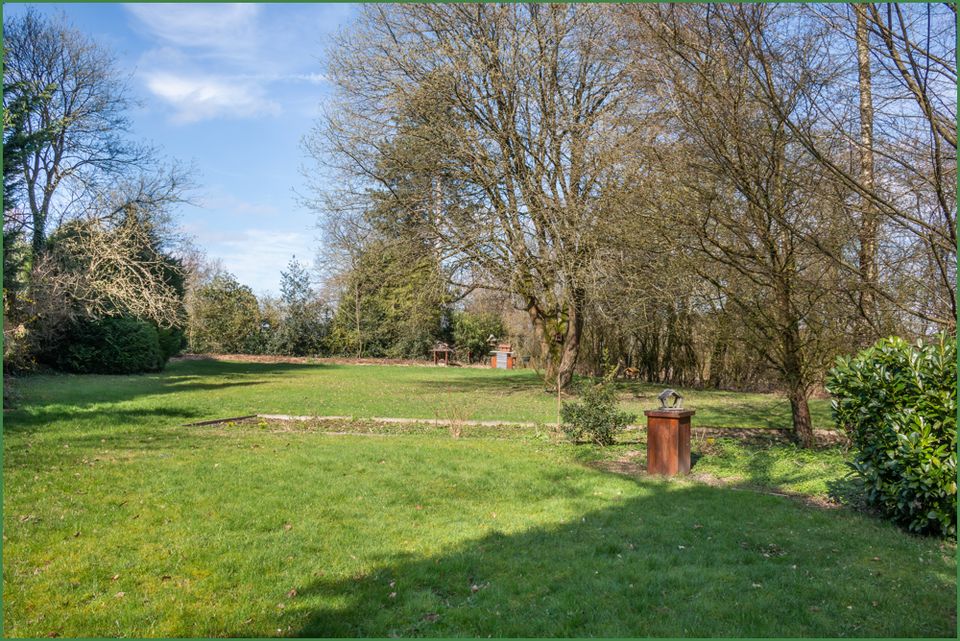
230	88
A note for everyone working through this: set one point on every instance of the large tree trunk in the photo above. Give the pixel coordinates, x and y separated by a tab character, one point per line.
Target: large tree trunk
38	214
559	337
869	216
571	346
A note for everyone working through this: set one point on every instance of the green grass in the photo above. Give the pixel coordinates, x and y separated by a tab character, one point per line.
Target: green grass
117	521
391	391
821	473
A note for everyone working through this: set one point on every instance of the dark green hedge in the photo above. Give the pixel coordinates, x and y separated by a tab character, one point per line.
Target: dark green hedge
898	404
111	346
173	340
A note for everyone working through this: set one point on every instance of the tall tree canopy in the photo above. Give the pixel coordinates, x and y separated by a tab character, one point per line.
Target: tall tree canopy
87	228
515	124
723	194
75	95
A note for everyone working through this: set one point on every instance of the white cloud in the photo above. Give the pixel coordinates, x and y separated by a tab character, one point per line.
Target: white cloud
310	78
257	256
203	97
227	31
231	60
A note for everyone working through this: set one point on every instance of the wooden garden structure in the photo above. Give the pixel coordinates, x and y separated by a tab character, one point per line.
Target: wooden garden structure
441	350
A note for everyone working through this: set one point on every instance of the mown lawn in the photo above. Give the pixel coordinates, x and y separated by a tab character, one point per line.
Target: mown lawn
374	390
118	521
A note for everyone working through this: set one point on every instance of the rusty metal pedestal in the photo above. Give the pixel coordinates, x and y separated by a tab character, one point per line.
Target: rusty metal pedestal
668	441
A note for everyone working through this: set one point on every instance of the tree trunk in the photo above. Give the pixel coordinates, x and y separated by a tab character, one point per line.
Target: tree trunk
39	239
718	371
356	309
797	388
571	345
869	216
793	366
559	338
802	425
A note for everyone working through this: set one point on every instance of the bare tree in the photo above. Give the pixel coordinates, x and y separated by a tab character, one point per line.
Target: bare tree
907	84
84	158
346	235
923	59
108	272
91	271
517	122
740	195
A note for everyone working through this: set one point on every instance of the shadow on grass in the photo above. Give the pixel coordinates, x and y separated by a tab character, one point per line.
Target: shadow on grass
762	465
761	472
211	367
116	430
80	392
41	416
769	416
489	384
851	492
38	415
680	561
759	468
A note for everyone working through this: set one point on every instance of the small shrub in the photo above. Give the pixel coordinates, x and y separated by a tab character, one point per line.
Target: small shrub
595	417
109	346
898	404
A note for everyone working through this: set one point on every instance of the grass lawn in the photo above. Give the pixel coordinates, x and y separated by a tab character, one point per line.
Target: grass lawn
374	390
118	521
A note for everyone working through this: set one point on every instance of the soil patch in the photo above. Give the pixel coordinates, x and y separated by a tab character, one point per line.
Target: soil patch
633	464
736	483
765	436
315	360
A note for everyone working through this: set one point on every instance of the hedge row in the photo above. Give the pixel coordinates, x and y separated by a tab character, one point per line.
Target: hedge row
116	346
